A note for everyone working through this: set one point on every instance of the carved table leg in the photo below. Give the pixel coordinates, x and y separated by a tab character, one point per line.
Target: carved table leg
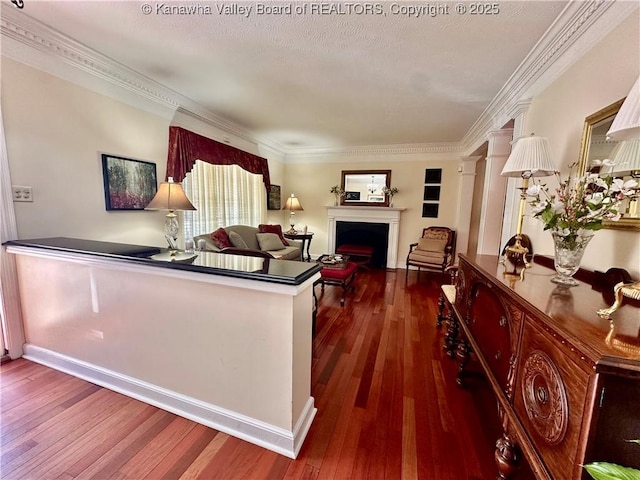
450	338
462	353
506	457
440	310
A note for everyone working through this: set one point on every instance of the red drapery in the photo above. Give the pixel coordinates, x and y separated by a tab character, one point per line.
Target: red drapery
186	147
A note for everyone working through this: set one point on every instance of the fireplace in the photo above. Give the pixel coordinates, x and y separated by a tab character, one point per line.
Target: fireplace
375	235
388	217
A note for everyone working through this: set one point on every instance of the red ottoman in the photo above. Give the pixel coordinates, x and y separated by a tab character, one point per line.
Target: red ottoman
343	277
363	253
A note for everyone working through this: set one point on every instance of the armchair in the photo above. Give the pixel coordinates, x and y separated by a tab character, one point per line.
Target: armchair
435	250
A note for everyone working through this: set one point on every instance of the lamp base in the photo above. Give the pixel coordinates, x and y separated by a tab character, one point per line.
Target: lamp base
291	231
516	251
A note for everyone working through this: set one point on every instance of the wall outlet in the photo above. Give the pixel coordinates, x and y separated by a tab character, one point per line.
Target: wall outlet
22	194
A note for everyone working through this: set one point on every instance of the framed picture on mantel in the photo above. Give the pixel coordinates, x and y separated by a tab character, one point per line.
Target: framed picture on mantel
128	184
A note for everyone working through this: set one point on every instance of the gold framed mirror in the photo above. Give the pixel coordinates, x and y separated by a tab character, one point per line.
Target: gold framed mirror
365	187
596	146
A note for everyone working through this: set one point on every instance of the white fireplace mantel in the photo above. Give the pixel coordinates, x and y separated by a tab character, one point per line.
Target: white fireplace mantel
389	215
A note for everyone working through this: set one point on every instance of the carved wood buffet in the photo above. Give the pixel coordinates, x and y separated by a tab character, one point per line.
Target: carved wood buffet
567	382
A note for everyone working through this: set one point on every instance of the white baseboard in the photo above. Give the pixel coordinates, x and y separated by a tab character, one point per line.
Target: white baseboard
271	437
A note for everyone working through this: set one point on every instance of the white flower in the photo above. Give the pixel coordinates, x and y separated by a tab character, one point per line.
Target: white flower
537	208
563	232
596	198
534	190
557	207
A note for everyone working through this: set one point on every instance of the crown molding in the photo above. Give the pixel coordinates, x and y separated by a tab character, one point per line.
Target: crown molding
547	60
299	155
39	38
570	36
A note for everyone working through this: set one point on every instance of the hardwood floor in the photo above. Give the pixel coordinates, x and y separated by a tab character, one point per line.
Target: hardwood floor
388	408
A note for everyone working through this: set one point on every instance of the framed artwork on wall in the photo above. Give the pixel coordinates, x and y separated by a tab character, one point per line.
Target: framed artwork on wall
128	184
430	210
274	198
432	192
431	195
433	175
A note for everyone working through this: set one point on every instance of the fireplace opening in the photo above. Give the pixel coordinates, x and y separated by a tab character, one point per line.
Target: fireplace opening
375	235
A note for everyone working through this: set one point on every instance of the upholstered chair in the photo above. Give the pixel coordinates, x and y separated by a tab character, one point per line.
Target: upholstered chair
435	250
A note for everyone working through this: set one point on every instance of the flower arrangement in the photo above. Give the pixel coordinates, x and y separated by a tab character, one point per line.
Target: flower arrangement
579	203
390	191
337	191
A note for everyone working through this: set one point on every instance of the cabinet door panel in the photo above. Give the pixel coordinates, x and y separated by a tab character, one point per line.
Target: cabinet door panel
550	401
489	324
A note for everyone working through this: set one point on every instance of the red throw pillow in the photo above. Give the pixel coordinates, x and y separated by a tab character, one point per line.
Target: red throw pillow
221	238
277	229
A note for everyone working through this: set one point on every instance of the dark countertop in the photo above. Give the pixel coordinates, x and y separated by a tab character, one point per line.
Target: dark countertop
288	272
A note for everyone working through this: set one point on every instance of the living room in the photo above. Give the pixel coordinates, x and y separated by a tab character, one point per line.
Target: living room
59	119
56	130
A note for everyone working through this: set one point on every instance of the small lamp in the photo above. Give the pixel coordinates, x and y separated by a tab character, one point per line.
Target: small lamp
171	197
626	125
293	205
529	158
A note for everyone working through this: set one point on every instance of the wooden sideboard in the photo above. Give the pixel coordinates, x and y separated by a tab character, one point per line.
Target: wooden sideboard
567	382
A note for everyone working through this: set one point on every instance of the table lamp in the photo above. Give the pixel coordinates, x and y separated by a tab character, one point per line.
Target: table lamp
625	162
293	205
529	158
626	126
171	197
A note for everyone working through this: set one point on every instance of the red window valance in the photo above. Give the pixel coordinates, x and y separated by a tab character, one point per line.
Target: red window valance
186	147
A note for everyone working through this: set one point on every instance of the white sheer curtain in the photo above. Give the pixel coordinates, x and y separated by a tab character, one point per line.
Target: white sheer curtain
223	195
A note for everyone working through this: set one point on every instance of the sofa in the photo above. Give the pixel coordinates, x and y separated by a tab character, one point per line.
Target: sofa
245	240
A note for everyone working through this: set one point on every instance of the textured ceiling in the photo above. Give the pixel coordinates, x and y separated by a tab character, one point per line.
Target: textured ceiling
331	79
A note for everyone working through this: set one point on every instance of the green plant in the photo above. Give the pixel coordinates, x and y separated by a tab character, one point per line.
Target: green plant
390	191
612	471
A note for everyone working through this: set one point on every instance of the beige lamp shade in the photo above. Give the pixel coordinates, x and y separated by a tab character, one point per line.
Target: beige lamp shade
626	125
529	158
170	196
292	204
625	158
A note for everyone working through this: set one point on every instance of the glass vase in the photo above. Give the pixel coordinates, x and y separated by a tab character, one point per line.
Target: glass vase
569	250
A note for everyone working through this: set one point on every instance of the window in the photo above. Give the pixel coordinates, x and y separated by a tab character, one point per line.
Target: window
223	195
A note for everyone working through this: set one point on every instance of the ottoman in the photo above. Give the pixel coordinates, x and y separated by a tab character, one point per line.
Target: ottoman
342	277
362	253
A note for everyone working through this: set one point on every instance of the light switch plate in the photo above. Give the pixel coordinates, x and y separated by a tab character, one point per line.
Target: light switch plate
22	194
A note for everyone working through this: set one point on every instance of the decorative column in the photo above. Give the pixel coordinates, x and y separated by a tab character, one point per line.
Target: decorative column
465	202
10	310
493	194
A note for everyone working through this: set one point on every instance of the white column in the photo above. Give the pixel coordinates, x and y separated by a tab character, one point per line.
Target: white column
493	195
10	311
465	202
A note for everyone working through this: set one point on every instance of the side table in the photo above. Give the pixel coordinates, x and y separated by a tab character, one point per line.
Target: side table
305	238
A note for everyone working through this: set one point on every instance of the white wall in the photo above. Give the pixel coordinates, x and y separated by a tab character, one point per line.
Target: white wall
603	76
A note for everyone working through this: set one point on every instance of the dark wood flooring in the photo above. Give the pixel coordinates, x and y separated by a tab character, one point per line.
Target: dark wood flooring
388	408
